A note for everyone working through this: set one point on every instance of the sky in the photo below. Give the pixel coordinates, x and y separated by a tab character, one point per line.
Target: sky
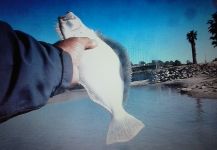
148	29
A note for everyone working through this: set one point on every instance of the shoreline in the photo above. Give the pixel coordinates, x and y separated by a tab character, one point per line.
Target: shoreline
198	87
201	86
196	80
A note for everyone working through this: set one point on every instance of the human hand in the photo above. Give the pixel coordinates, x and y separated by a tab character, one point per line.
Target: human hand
75	47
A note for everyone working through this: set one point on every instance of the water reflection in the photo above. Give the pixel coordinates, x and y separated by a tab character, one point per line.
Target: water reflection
199	110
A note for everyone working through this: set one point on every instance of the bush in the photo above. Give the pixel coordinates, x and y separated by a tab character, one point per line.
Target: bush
188	62
215	59
177	63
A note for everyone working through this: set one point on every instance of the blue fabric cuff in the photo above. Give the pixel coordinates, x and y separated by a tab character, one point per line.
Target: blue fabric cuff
67	68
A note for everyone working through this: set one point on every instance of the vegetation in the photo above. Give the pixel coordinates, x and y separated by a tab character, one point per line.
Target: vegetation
191	37
159	63
213	29
142	63
188	62
177	63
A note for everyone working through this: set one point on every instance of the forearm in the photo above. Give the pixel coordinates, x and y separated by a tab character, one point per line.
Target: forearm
30	72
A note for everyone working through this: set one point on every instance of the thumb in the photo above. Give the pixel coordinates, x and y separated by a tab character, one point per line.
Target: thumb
86	42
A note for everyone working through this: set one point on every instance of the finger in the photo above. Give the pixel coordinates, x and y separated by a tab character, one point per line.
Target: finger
91	44
87	42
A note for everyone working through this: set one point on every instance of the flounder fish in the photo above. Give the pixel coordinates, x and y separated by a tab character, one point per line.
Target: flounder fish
104	72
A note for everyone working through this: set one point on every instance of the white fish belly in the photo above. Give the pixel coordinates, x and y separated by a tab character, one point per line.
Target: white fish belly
99	71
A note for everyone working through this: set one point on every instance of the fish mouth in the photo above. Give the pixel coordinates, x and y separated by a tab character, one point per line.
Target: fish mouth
70	20
69	16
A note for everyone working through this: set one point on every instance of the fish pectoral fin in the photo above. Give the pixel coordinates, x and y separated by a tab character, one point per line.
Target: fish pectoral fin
123	129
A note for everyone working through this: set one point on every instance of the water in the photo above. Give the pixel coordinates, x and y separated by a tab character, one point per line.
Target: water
173	122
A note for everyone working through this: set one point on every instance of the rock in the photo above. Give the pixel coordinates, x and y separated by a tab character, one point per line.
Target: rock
203	87
185	90
194	86
214	90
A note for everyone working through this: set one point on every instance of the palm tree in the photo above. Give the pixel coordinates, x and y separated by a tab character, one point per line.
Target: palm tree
213	29
191	37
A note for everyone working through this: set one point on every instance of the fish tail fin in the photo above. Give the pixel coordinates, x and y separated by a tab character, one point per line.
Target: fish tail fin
123	129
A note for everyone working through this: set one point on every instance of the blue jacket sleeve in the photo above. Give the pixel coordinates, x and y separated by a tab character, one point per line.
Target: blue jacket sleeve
30	72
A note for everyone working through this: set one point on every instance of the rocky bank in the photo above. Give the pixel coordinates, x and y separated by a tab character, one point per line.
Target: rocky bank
198	80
